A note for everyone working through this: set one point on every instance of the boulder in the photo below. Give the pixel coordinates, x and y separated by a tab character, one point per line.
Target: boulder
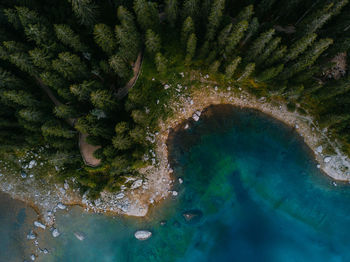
192	216
327	159
38	224
32	257
61	206
136	184
120	196
142	234
181	180
55	232
319	149
79	235
174	193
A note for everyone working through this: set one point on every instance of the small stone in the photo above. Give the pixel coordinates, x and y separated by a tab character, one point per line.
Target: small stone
120	196
195	117
45	251
163	223
319	149
186	126
38	224
180	180
142	234
318	166
23	175
79	236
174	193
32	257
61	206
327	159
137	184
216	88
31	235
55	232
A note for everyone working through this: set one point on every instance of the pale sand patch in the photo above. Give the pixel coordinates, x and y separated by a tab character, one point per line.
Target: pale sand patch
87	151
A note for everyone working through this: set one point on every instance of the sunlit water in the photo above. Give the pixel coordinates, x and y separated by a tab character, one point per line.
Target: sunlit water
257	187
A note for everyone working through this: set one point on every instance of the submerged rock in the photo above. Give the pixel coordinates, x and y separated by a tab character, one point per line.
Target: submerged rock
31	235
142	234
55	232
192	216
79	235
38	224
61	206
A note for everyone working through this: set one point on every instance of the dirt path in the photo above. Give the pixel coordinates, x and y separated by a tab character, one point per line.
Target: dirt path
136	69
87	151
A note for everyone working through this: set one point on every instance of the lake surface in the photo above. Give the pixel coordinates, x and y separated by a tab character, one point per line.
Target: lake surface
253	189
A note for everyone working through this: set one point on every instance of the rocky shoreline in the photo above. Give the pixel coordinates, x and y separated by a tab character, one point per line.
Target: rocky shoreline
156	181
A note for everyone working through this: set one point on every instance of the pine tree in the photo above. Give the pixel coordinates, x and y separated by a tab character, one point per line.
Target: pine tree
39	34
122	142
236	35
153	42
83	90
65	111
13	18
214	67
27	16
147	14
299	46
129	42
252	29
307	59
260	43
8	80
246	14
56	129
40	58
187	29
248	70
270	73
277	55
14	47
85	10
53	80
119	65
191	47
68	37
270	48
171	10
231	68
317	19
161	63
215	18
103	99
23	62
104	37
19	97
224	35
31	114
70	66
191	8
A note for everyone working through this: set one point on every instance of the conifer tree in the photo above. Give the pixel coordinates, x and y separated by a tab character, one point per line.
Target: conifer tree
31	114
277	55
12	17
224	35
246	14
85	10
161	63
119	65
153	42
83	90
270	73
252	29
14	47
104	37
171	10
69	66
65	111
54	128
191	8
8	80
129	42
147	14
19	97
248	70
214	67
23	62
27	16
68	37
236	35
260	43
270	48
307	59
231	68
215	17
103	99
187	29
191	47
299	47
40	58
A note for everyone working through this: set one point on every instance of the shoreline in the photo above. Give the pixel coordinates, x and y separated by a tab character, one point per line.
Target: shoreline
157	179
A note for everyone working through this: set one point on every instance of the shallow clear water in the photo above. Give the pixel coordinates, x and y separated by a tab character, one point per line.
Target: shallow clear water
257	186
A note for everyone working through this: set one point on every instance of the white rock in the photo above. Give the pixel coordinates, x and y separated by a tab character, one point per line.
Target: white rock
142	234
216	88
32	164
136	184
32	257
180	180
31	235
79	236
45	251
55	232
120	196
166	87
38	224
319	149
186	126
327	159
297	126
61	206
318	166
174	193
195	117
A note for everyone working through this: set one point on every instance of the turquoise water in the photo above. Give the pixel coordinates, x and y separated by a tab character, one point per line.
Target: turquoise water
254	187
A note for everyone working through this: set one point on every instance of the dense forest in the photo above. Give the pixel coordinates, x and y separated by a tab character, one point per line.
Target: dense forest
65	66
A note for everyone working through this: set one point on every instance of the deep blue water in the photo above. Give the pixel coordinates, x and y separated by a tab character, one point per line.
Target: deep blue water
257	187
